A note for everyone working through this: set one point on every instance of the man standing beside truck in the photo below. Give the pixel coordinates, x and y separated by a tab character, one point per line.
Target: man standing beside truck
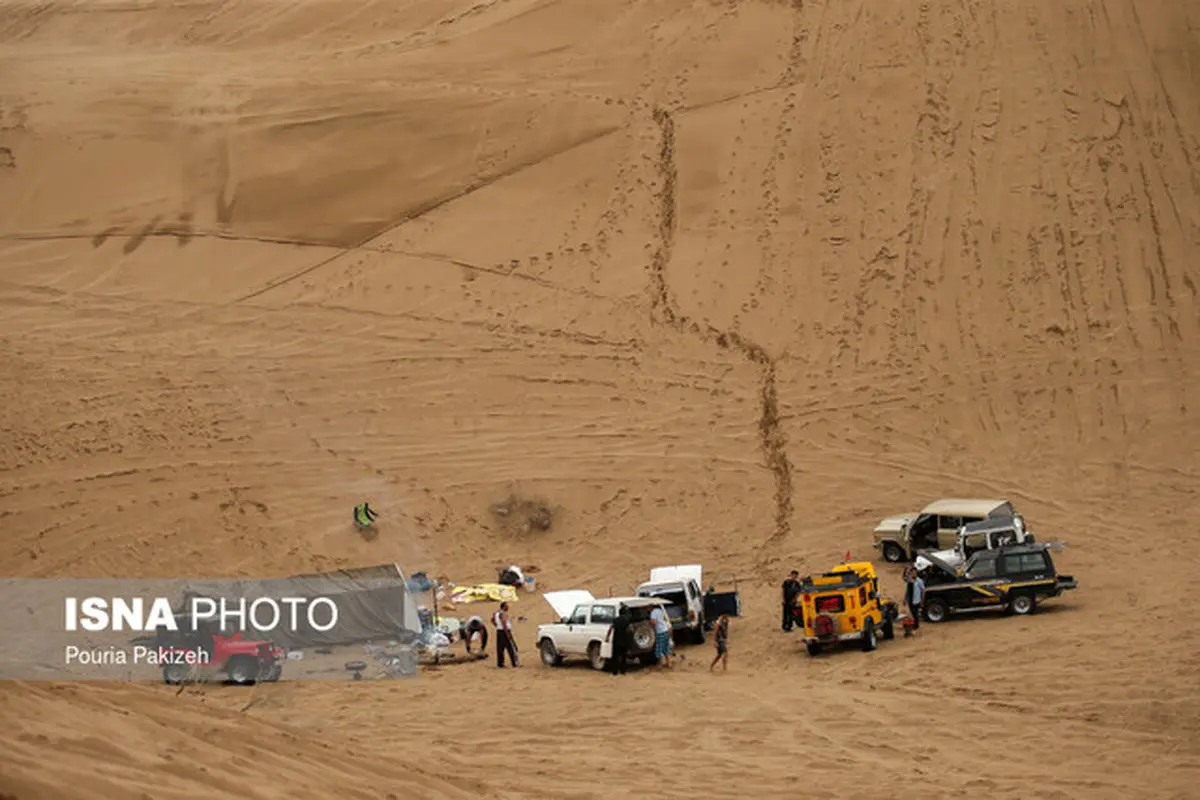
791	588
915	597
618	633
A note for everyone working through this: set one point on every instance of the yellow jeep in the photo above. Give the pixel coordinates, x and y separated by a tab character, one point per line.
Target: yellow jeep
844	605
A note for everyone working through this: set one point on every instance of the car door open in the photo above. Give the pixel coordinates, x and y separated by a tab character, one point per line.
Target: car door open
725	601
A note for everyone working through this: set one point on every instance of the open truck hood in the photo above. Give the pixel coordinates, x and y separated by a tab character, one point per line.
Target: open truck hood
564	602
950	569
950	557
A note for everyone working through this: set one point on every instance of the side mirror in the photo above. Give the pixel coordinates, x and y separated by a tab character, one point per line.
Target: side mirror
874	595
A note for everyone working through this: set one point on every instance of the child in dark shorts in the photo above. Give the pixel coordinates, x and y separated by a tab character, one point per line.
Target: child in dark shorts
722	638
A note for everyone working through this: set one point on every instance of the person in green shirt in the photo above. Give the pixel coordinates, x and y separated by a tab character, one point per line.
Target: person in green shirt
364	515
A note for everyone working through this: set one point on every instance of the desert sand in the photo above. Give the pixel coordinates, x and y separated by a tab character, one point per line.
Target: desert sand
723	282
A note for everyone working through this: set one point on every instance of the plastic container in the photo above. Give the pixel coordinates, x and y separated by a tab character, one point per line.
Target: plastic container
530	584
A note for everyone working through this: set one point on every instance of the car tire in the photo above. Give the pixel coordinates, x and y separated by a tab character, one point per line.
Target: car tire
892	552
549	653
174	674
1022	604
936	610
598	662
889	630
698	636
643	637
869	639
242	670
814	648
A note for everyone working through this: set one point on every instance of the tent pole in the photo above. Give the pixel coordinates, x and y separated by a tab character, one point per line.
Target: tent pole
437	653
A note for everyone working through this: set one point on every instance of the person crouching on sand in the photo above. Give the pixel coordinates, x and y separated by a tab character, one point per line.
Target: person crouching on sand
364	516
472	628
722	639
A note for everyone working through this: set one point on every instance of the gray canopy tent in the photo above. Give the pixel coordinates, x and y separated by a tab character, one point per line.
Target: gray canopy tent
373	603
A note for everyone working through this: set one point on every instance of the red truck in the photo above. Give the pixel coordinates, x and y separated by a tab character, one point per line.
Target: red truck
205	652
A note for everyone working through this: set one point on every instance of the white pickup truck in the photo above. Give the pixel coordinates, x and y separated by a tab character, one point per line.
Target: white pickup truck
692	611
680	587
583	625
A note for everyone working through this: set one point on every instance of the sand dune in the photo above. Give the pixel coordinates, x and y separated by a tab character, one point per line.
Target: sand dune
716	281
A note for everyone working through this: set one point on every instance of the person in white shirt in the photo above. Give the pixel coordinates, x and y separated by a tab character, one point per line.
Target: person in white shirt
662	636
505	642
472	627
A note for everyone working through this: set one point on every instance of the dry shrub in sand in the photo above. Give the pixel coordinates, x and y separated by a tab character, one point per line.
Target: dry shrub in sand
522	515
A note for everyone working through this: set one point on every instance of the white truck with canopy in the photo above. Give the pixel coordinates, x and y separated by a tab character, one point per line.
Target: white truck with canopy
692	611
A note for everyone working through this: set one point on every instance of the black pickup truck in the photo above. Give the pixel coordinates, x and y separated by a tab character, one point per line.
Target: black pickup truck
1012	578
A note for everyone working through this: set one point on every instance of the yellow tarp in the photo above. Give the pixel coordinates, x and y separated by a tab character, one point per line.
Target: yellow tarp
484	592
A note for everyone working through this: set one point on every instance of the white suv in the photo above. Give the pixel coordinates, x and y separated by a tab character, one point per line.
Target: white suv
584	622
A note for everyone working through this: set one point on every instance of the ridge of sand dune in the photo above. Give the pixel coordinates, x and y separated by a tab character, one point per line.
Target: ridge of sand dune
718	282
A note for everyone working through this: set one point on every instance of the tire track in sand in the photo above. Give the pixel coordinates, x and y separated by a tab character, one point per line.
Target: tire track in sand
665	311
770	209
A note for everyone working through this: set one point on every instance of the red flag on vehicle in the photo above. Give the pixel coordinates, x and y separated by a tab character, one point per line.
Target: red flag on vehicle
847	557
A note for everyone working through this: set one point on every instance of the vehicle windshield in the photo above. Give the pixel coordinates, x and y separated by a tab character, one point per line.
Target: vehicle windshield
843	580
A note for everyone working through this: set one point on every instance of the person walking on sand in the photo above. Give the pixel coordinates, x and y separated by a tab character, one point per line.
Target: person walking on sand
505	643
722	637
662	637
791	588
